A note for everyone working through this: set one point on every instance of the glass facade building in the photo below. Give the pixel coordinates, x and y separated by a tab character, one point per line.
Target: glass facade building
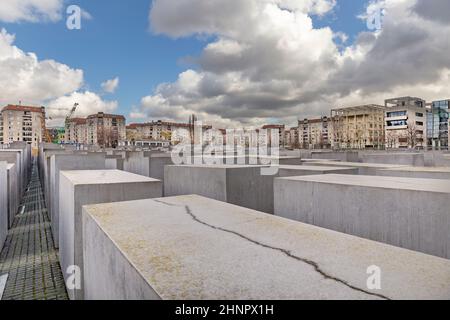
437	125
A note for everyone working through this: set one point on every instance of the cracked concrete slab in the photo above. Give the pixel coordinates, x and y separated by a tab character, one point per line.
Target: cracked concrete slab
191	247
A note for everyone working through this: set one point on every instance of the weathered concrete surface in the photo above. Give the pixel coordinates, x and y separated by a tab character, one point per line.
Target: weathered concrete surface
113	162
417	172
437	159
347	156
369	169
14	157
409	213
64	162
136	162
308	161
13	193
78	188
240	185
3	203
45	173
157	163
191	247
409	159
293	171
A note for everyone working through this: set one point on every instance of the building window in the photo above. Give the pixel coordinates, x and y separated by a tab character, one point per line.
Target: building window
396	114
419	123
396	123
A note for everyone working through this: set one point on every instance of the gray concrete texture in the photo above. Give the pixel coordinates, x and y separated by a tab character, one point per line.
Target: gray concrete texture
369	169
417	172
65	162
240	185
3	203
406	158
15	157
404	212
13	193
114	162
346	156
78	188
190	247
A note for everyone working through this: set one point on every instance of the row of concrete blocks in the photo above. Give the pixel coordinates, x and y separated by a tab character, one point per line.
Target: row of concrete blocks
428	159
193	247
54	158
15	163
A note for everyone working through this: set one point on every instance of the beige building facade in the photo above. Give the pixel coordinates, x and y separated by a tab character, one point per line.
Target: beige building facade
406	123
101	129
22	123
359	127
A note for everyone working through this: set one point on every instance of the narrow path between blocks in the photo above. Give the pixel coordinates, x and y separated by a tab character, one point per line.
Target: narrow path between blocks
29	257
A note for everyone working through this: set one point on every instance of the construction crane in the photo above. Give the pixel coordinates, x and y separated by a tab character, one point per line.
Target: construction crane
67	119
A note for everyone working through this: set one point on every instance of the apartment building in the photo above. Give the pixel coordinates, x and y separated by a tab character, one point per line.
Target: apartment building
438	124
358	127
22	123
76	131
405	123
160	131
292	137
279	128
101	129
314	133
105	130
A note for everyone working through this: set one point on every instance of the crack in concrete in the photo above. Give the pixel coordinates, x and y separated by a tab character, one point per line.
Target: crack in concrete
313	264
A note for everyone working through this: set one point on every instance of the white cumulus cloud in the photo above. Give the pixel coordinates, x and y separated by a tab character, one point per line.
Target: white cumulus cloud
110	86
30	10
266	60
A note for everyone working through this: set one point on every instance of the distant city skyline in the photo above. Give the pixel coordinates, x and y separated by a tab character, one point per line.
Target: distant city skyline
231	62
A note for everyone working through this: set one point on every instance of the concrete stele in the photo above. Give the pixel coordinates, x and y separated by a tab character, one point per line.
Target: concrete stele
405	212
78	188
190	247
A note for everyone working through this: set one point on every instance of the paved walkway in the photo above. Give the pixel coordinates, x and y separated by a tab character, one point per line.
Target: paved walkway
29	256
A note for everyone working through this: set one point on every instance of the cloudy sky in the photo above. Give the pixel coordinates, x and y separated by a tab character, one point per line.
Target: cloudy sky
231	62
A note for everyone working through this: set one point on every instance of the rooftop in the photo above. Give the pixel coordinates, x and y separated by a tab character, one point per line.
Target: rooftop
11	107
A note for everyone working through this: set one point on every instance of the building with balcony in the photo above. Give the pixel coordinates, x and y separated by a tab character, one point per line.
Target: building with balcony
76	131
405	123
278	128
22	123
314	133
358	127
438	124
160	131
101	129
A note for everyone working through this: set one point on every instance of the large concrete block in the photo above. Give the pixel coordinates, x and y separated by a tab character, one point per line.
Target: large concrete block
45	173
114	162
346	156
409	213
293	171
78	188
138	163
16	158
369	169
240	185
13	193
417	172
409	159
65	162
3	203
191	247
157	163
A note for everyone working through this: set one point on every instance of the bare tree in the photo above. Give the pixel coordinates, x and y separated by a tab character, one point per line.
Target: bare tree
414	136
